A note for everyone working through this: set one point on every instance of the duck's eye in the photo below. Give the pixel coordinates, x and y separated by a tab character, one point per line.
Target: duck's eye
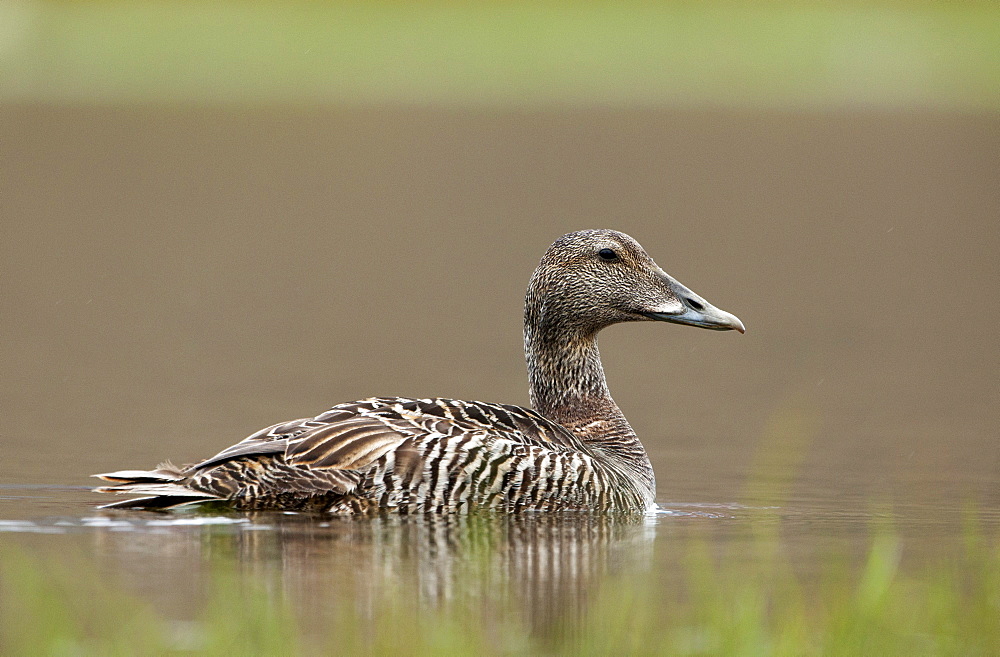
607	255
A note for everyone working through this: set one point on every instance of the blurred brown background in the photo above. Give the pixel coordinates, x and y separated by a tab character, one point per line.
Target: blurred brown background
175	278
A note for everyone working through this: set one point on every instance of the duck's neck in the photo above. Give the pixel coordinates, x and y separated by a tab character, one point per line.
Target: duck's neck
567	385
566	378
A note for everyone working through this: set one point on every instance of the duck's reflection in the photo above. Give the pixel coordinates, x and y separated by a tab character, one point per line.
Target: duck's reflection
546	566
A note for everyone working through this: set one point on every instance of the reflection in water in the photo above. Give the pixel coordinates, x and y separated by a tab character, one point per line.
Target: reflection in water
547	566
390	575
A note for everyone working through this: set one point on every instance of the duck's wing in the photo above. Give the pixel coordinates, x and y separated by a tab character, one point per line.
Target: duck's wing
353	435
453	417
336	450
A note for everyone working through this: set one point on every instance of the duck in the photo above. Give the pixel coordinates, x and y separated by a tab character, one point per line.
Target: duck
573	450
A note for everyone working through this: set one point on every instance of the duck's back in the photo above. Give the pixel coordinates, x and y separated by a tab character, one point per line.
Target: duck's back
408	455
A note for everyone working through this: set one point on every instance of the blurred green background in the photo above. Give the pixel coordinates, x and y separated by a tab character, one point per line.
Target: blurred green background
722	54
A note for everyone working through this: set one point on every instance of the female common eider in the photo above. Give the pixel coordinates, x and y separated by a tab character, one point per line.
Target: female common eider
574	451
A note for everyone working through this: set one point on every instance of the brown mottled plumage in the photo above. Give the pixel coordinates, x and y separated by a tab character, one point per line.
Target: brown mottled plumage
575	451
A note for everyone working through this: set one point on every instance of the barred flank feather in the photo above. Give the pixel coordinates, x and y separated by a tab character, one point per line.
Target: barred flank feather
575	452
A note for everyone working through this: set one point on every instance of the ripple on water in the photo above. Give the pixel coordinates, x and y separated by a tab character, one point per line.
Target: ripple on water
108	523
26	526
708	510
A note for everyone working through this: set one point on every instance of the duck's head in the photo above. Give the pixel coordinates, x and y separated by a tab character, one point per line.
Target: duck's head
591	279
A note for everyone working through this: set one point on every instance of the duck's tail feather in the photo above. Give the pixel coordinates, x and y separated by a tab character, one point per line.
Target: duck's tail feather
165	488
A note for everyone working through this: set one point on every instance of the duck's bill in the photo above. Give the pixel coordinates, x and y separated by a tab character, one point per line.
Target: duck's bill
708	317
680	305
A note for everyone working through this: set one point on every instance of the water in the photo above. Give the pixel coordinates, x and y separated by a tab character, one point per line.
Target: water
176	279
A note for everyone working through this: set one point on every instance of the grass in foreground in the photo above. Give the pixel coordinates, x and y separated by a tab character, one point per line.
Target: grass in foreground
717	609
